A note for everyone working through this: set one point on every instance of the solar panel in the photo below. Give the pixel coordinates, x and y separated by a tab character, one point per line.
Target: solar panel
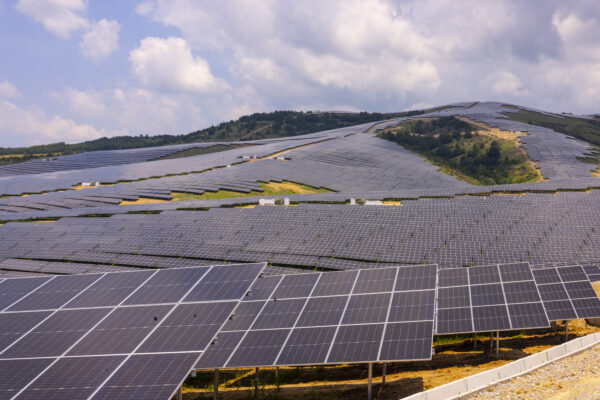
567	293
93	346
491	298
318	318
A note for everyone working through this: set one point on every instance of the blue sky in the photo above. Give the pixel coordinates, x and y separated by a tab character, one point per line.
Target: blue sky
73	70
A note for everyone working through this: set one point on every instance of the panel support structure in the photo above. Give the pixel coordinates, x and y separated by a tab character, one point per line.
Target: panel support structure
497	344
370	384
256	383
566	331
216	385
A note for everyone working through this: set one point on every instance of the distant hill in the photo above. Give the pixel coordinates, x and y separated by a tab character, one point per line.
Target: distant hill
250	127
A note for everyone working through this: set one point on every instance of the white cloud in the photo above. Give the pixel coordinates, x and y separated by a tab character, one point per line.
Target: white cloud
8	90
84	104
27	126
508	84
102	39
168	64
60	17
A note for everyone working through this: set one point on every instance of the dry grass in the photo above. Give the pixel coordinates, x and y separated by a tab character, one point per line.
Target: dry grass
269	189
142	200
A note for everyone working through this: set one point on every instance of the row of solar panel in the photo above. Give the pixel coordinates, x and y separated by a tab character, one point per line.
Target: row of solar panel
98	351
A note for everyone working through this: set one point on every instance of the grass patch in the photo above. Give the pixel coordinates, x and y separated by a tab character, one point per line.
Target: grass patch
270	189
470	151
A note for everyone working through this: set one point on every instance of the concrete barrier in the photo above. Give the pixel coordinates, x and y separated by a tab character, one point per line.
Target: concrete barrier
478	382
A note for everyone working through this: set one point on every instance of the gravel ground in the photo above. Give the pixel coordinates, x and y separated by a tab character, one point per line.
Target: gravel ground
576	377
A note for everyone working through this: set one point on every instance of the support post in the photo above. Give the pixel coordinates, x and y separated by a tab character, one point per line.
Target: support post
370	385
566	331
256	383
497	344
216	385
383	374
179	395
475	341
491	342
277	374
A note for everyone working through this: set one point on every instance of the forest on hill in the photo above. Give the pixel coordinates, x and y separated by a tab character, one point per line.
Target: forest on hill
250	127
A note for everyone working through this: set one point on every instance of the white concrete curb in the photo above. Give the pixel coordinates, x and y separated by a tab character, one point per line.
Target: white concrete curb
475	383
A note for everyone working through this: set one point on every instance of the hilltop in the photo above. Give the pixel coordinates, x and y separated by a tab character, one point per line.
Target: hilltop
277	124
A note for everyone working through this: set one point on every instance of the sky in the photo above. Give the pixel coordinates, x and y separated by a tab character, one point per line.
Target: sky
75	70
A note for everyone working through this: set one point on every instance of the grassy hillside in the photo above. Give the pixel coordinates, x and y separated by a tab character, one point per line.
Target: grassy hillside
584	129
249	127
474	153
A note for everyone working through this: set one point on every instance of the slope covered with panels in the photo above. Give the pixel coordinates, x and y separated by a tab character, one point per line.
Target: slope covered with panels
117	335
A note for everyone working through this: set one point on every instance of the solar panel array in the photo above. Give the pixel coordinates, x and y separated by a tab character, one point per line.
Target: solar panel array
567	292
330	318
489	298
112	336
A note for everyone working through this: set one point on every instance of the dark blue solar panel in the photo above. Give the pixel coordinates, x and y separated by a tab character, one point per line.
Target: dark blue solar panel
121	331
483	275
110	290
321	311
527	316
14	325
259	348
553	292
230	282
367	308
454	297
12	290
307	346
243	316
167	286
560	310
453	277
490	318
263	288
515	272
587	308
571	274
190	327
335	283
155	377
416	278
55	293
483	295
296	286
279	314
521	292
72	378
375	280
546	275
56	334
356	343
219	350
580	290
407	341
18	373
412	306
454	320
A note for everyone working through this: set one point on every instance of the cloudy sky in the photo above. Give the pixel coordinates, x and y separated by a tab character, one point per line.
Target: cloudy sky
72	70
